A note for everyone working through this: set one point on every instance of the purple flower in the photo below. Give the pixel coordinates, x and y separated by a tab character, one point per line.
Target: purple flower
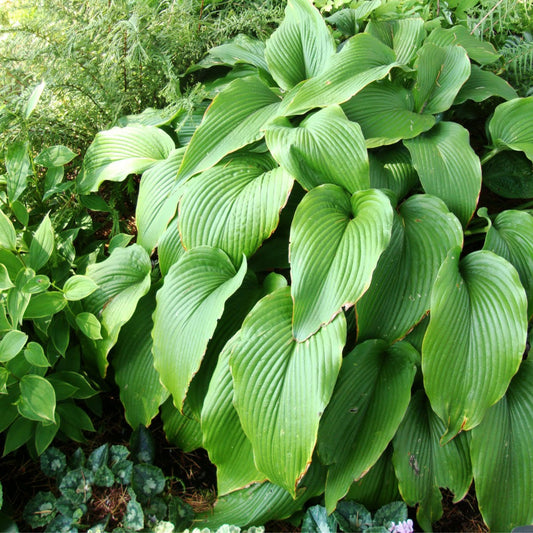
403	527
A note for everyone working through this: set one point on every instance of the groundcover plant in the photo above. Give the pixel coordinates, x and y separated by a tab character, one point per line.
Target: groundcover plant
315	296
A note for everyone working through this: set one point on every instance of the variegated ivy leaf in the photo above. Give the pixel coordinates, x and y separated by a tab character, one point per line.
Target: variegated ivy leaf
325	147
189	305
301	46
475	339
234	206
335	243
282	386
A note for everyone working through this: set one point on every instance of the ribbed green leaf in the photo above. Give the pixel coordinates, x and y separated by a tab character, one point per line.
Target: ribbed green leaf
55	156
122	279
347	20
475	338
336	242
189	306
440	75
483	84
141	391
116	153
234	206
78	287
159	193
8	236
282	386
181	429
511	237
385	112
18	166
483	52
510	126
392	169
509	174
404	36
229	448
33	100
362	60
170	248
325	148
501	456
301	46
42	244
233	120
261	502
399	296
11	345
448	167
37	399
378	486
367	406
422	465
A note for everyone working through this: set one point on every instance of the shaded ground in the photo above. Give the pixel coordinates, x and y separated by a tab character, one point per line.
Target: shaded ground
192	478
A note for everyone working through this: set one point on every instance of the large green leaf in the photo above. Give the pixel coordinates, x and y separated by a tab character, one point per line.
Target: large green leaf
18	166
261	502
399	296
404	36
189	306
392	169
325	148
367	406
181	429
301	46
336	241
422	465
385	112
141	391
440	75
483	52
501	456
509	174
170	247
483	84
510	126
511	237
116	153
42	244
281	386
159	193
233	120
234	206
224	439
122	279
475	339
37	399
362	60
448	167
8	236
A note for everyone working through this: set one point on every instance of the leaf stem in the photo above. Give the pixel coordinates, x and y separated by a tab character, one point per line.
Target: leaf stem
490	155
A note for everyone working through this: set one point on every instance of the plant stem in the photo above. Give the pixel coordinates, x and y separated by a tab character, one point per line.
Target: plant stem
490	155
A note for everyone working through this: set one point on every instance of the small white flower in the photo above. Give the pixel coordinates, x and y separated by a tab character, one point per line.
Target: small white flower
403	527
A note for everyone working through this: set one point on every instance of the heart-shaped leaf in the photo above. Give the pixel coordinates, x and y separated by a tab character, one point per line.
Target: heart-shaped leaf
301	46
234	206
362	60
336	242
501	456
116	153
510	126
282	386
448	167
325	148
440	75
385	112
475	339
189	306
159	193
423	233
233	120
374	379
422	465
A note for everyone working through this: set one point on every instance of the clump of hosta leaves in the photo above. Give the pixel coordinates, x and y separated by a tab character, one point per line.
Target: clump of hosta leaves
354	517
107	487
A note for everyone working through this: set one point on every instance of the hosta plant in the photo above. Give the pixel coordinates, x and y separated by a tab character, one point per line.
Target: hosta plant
312	296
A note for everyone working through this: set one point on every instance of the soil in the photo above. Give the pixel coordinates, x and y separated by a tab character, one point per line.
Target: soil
193	479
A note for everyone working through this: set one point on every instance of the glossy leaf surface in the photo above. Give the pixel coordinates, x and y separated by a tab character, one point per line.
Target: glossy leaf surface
282	386
336	242
475	339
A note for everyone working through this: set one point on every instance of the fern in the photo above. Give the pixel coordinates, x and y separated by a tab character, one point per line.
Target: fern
518	56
